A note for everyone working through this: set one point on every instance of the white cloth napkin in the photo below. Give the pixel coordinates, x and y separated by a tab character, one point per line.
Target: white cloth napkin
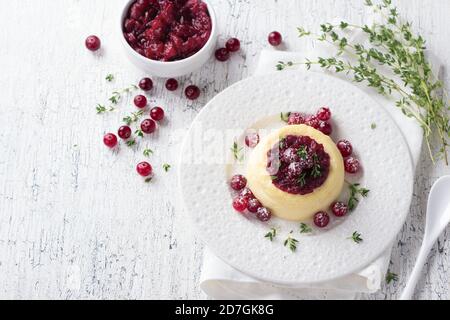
221	281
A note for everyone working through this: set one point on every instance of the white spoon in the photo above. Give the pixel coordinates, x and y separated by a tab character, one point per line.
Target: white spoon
438	217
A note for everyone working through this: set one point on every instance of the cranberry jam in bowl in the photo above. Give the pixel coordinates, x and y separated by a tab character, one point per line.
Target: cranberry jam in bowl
168	38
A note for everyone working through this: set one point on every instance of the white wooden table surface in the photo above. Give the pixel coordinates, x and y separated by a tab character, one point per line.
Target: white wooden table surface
75	220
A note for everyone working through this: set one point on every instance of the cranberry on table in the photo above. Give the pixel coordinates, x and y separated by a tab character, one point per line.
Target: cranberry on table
222	54
93	43
172	84
110	140
148	126
240	204
339	209
325	127
345	147
144	169
321	219
253	205
275	38
263	214
252	139
351	165
157	113
233	45
140	101
192	92
124	132
238	182
146	84
324	114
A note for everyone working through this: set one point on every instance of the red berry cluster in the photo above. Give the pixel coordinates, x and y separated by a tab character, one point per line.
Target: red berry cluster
246	201
319	121
232	45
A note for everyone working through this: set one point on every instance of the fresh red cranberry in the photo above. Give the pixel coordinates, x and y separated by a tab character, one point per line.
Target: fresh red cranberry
325	127
157	113
172	84
240	204
124	132
146	84
339	209
140	101
253	205
148	126
324	114
93	43
351	165
222	54
296	118
247	193
275	38
345	147
144	169
238	182
233	45
110	140
321	219
252	139
192	92
263	214
312	121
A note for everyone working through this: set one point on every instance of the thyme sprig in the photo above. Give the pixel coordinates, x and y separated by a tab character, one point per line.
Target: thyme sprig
237	152
271	234
147	152
355	192
134	117
291	242
115	97
356	237
109	77
167	167
395	47
304	228
391	277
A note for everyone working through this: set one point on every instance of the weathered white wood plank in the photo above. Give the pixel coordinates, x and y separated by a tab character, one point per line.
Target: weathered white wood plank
75	221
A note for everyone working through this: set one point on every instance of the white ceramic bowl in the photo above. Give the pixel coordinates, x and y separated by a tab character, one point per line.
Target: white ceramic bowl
171	68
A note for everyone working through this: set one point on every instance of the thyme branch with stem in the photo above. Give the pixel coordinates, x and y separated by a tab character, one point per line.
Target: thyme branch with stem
394	47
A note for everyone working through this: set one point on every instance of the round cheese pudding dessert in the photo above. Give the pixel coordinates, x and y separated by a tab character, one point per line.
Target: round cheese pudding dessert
296	172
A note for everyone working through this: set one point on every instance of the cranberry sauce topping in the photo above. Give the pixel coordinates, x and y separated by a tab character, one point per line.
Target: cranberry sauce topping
298	164
167	30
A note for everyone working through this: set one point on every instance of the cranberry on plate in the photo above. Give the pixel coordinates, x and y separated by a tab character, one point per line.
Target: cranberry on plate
124	132
192	92
263	214
233	45
321	219
148	126
345	147
296	118
325	127
275	38
110	140
253	205
240	204
140	101
351	165
93	43
167	30
144	169
339	209
157	113
172	84
146	84
324	114
252	139
238	182
247	193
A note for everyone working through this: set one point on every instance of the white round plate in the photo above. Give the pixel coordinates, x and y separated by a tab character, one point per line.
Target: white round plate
206	166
